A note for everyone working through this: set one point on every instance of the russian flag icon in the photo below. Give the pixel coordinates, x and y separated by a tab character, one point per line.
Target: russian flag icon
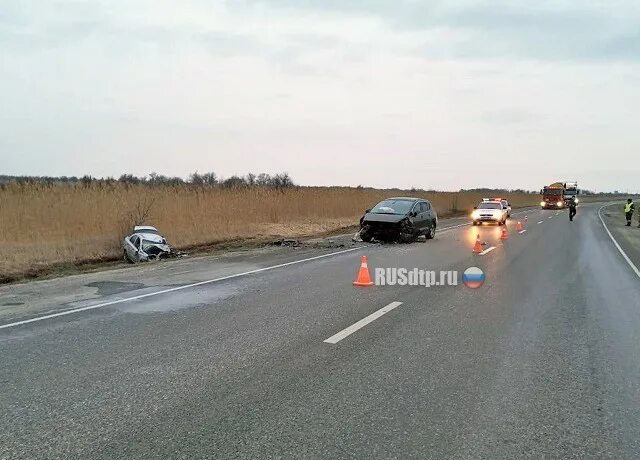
473	277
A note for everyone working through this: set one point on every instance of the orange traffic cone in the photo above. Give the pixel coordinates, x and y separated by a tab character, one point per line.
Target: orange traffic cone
363	274
504	235
478	246
519	226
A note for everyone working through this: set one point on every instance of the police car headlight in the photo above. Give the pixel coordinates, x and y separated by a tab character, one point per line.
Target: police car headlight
475	214
542	203
559	203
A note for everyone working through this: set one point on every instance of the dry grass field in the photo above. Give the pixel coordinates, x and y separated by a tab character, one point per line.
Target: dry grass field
42	225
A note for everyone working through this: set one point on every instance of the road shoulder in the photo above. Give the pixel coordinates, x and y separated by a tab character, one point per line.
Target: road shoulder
628	238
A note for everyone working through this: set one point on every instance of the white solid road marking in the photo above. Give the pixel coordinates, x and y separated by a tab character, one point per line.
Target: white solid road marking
624	254
550	217
522	231
486	251
178	288
540	222
453	226
362	323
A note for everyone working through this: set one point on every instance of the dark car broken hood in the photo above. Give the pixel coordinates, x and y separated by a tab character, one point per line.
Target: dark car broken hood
389	218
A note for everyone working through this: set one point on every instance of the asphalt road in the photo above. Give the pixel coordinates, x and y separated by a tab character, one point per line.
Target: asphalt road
542	361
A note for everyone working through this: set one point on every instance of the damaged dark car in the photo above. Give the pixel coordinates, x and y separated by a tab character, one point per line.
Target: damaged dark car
145	244
399	219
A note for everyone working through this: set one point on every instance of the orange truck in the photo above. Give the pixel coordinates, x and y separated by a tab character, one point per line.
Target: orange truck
559	195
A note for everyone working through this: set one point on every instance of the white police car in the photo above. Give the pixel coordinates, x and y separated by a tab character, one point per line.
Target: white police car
491	211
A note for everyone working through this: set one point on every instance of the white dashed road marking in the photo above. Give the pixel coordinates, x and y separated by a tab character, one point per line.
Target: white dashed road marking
486	251
362	323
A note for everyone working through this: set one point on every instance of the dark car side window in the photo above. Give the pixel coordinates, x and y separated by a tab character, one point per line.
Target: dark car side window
134	240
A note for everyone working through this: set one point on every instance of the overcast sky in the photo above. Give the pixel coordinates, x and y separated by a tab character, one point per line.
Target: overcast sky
431	94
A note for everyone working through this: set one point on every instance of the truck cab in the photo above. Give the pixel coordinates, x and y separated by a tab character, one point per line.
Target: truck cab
571	193
553	197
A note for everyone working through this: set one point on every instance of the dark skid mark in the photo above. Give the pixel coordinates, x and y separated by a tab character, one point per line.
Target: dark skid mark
114	287
11	304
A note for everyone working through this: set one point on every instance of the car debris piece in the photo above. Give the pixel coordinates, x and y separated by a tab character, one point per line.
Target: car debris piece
287	242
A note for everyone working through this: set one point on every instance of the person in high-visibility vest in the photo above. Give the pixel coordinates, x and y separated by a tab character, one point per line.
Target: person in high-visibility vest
628	211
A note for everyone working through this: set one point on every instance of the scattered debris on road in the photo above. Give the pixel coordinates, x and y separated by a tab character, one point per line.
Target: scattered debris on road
287	242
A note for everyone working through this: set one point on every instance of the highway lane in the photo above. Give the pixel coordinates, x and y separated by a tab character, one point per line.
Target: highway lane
541	361
21	302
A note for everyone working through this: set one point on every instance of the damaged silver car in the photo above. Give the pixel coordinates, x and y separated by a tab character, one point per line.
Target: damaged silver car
145	244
